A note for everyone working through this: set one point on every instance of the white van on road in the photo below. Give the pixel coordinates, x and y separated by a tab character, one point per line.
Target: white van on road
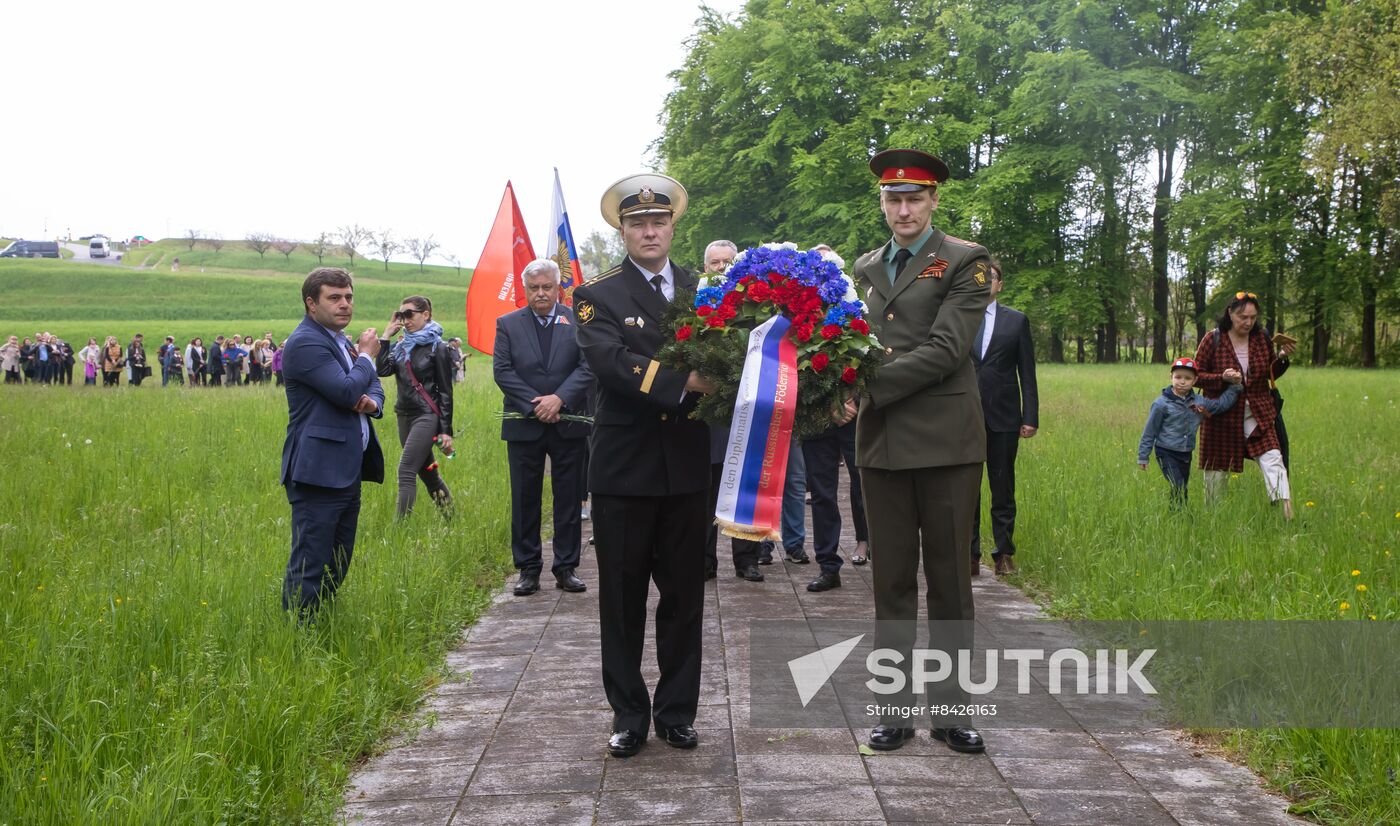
98	248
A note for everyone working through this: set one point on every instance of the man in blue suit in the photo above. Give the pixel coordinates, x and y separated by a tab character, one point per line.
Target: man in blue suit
541	371
332	391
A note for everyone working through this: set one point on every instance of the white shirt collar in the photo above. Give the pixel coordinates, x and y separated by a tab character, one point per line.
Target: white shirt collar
665	272
992	308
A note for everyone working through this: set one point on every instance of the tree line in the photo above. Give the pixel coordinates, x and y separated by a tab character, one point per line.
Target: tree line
1132	164
349	240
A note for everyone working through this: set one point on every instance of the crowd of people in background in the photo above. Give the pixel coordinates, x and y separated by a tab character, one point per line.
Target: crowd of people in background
228	361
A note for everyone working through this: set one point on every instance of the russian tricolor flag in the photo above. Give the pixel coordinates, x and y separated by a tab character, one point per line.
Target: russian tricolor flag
750	504
561	245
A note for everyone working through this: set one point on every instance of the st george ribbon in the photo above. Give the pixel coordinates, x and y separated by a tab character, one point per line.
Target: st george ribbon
750	503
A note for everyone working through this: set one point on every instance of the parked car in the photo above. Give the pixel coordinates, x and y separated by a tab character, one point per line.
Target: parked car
97	248
31	249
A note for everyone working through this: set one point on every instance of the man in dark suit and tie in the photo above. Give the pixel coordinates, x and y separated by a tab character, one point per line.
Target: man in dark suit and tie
1005	359
332	391
541	371
648	471
918	445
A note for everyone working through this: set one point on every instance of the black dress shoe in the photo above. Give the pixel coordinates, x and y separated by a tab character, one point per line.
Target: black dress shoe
958	738
679	737
527	585
566	580
625	743
797	556
889	738
749	572
825	581
765	552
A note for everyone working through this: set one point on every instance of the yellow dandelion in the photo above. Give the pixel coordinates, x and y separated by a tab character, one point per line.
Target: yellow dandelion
40	588
43	778
1355	572
1310	503
119	600
1371	617
1345	605
202	602
1361	588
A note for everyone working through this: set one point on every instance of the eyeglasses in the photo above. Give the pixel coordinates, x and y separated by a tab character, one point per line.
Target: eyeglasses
1242	295
409	313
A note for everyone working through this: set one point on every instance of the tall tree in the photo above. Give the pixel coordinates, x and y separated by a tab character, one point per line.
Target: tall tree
385	246
352	237
421	249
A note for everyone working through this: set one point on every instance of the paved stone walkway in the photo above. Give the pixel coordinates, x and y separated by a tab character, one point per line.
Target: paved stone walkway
519	738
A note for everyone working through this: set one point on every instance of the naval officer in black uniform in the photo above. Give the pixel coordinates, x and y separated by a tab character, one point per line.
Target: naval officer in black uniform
648	471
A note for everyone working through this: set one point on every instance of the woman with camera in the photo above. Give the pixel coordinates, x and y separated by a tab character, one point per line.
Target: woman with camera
422	367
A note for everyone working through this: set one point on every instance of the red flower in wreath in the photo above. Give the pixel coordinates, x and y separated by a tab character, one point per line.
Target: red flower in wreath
704	310
714	321
803	333
860	325
819	361
683	333
830	331
849	375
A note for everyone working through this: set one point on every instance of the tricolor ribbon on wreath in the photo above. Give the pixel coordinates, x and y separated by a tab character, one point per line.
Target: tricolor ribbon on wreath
750	503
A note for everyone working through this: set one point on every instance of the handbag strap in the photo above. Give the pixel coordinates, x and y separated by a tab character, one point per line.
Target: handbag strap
417	385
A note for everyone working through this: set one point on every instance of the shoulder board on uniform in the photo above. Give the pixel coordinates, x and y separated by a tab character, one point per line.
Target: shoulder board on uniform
609	274
959	241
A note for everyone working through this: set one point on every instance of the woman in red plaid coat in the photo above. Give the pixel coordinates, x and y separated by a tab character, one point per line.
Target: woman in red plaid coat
1240	351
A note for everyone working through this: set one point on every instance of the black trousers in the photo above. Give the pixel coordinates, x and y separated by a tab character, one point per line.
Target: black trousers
324	521
526	461
1001	479
745	553
824	455
216	377
924	515
641	540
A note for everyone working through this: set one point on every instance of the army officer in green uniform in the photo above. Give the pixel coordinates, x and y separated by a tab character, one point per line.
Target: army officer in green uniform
920	441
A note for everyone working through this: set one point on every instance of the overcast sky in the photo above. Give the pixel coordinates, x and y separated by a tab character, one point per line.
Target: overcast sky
295	117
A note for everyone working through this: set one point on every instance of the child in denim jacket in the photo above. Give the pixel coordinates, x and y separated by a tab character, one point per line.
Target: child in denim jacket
1172	423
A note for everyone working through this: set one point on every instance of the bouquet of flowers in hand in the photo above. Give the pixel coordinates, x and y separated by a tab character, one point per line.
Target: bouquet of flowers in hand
836	353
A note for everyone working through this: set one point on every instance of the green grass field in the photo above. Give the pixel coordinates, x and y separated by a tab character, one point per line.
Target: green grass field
147	672
76	301
236	255
147	675
1096	540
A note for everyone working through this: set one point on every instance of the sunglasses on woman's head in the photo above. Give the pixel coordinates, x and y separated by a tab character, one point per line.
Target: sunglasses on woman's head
1241	295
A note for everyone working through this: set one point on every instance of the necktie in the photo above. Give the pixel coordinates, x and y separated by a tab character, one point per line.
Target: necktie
901	257
542	319
656	282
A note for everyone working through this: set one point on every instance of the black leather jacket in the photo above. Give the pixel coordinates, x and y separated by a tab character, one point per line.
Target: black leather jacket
433	371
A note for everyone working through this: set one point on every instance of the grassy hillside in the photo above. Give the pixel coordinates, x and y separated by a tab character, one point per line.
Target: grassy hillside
147	673
237	256
78	300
